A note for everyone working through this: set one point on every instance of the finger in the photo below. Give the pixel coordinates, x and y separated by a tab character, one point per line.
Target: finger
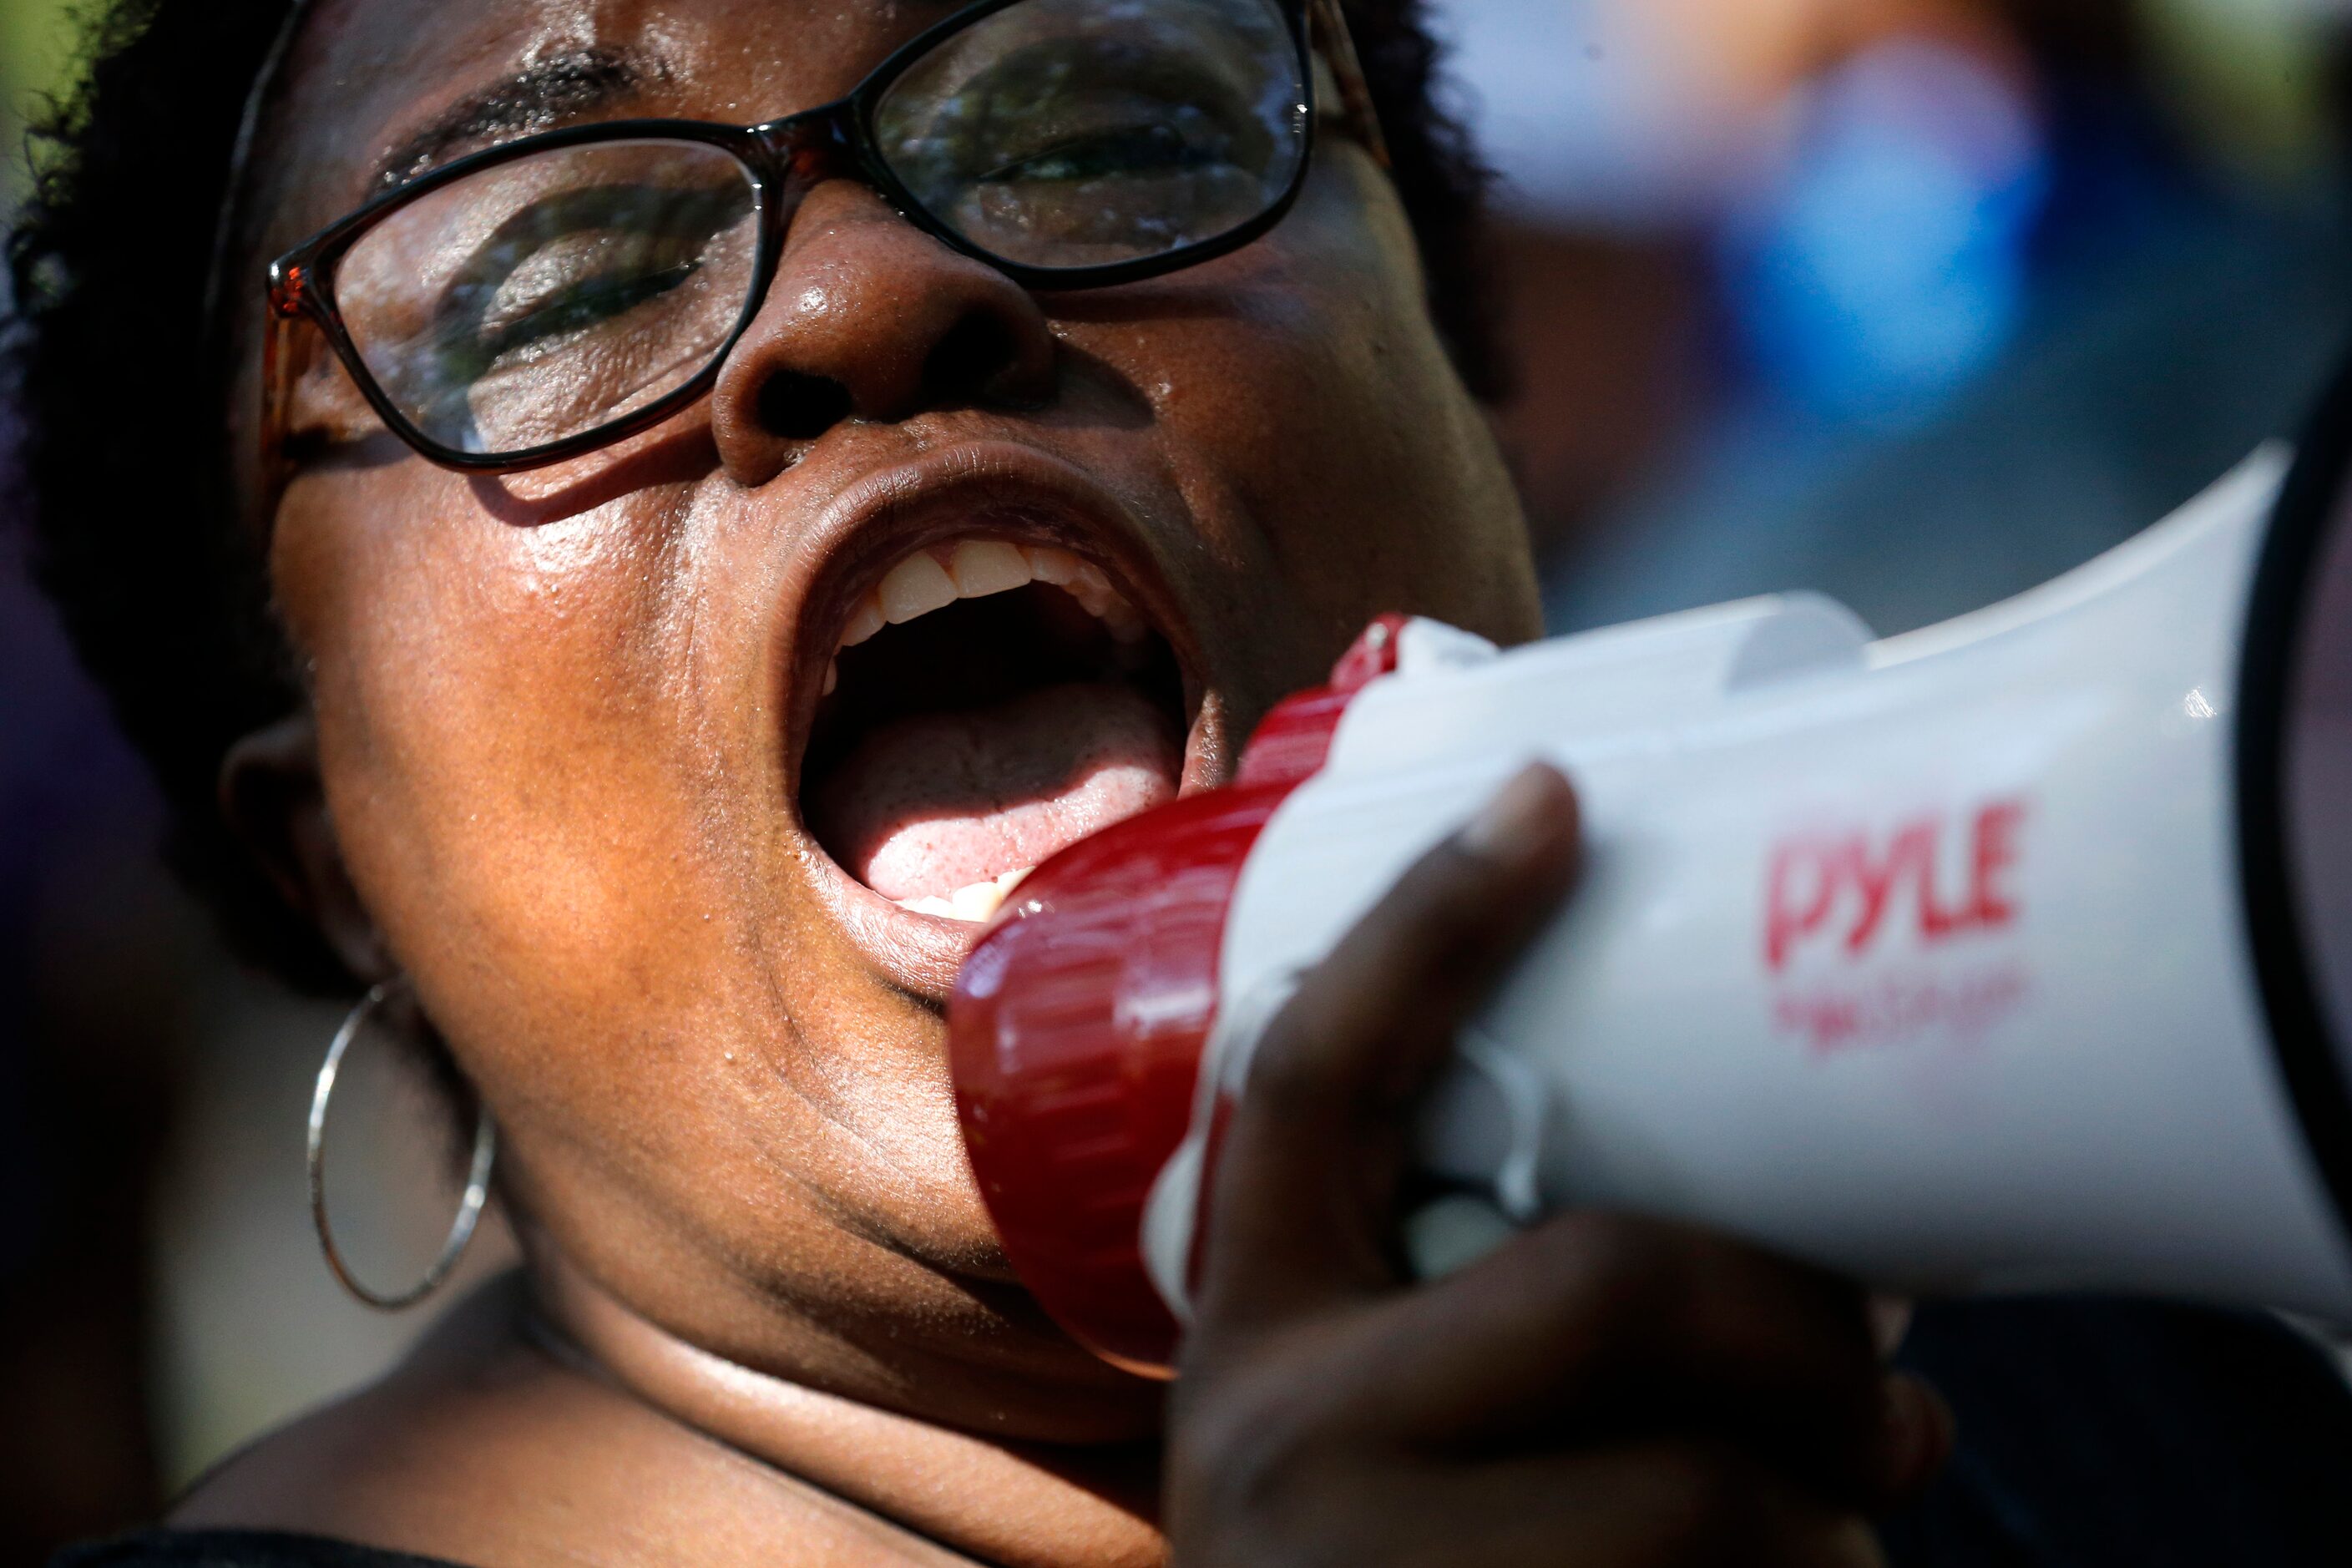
1688	1502
1309	1165
1594	1322
1680	1501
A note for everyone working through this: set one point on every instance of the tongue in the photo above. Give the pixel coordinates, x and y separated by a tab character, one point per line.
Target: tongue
928	804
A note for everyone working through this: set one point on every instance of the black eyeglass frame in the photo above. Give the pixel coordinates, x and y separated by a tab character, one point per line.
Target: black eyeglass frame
783	159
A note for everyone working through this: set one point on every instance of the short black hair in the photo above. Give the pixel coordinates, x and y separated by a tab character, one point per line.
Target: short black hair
135	535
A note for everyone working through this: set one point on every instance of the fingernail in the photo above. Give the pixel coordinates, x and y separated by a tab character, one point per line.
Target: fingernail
1520	822
1917	1431
1890	1320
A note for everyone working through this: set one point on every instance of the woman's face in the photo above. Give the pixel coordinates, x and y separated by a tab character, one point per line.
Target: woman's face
572	726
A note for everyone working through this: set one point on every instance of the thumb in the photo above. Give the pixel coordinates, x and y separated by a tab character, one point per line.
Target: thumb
1303	1203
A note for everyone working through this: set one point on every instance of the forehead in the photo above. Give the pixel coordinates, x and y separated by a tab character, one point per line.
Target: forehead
375	90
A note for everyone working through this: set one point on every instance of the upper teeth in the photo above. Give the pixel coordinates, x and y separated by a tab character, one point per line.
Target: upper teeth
935	578
973	569
975	904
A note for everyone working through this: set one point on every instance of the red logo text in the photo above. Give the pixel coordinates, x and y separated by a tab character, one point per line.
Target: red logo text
1851	889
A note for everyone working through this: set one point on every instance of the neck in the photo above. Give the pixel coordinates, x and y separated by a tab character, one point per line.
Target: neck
1022	1506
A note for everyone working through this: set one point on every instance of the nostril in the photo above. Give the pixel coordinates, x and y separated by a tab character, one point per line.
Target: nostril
973	353
801	407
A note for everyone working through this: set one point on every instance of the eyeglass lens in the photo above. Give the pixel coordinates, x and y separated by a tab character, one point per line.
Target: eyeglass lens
553	294
545	298
1085	132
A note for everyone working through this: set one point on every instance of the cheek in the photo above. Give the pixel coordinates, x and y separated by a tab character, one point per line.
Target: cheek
507	780
553	763
1304	382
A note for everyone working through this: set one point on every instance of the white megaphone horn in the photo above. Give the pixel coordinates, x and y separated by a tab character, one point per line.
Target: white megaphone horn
2010	953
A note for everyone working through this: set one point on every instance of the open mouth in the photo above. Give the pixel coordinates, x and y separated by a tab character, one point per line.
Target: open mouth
990	701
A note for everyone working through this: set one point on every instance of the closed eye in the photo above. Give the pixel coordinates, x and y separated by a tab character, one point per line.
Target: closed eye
575	260
1127	150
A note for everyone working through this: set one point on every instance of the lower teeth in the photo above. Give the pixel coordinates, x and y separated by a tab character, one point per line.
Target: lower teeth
975	904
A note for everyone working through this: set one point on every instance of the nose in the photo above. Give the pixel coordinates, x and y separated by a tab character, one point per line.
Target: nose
870	319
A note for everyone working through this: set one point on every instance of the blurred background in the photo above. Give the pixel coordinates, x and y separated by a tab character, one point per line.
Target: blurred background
1915	301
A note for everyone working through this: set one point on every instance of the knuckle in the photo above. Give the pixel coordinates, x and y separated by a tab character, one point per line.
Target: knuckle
1241	1494
1443	905
1313	1067
1630	1284
1445	908
1712	1506
1847	1543
1243	1454
1293	1069
1713	1487
1718	1505
1266	1456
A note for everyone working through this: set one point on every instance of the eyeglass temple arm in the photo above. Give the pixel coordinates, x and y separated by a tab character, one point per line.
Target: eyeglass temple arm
1329	26
277	370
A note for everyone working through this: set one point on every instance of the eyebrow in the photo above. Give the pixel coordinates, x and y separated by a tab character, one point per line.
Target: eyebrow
537	98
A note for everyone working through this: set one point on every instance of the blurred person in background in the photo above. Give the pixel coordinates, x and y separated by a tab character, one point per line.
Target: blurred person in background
1918	302
762	1316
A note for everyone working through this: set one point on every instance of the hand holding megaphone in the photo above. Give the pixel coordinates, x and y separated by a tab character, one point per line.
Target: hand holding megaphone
1605	1389
2013	953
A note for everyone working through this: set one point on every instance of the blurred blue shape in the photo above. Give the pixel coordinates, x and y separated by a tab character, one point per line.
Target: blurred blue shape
2173	331
1885	263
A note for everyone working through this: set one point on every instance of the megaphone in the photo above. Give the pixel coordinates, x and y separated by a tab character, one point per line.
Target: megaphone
2011	954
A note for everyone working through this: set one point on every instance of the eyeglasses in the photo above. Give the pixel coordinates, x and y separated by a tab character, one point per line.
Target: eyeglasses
558	294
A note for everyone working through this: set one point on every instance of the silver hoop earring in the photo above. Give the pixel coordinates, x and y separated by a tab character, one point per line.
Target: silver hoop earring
469	1209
